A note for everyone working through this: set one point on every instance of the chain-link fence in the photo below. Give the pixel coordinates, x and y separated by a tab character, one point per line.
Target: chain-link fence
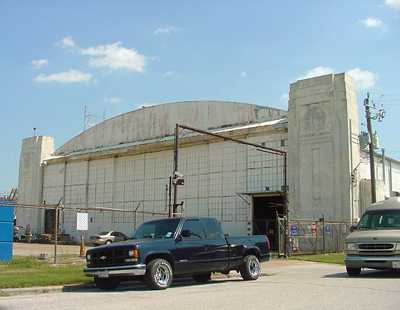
317	236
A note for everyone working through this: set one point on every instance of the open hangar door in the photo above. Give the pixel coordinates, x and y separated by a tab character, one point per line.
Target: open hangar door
268	210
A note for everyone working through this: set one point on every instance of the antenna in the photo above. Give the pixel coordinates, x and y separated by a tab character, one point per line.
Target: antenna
85	117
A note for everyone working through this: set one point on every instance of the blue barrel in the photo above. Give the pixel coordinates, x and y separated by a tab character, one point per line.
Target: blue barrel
6	232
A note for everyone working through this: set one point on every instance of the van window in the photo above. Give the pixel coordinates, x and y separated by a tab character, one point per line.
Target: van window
381	219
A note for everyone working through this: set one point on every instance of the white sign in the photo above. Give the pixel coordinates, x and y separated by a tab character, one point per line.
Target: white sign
82	221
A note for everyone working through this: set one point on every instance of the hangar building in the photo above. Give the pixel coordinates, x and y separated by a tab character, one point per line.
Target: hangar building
125	162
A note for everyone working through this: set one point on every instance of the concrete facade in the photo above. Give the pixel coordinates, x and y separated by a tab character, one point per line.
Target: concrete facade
34	151
323	148
125	162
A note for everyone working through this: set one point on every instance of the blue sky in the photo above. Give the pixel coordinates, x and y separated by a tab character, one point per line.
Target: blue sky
115	56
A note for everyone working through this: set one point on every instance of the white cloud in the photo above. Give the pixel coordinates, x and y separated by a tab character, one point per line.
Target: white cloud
39	63
285	97
71	76
112	56
113	100
166	30
115	56
243	74
394	4
372	22
363	79
66	42
317	71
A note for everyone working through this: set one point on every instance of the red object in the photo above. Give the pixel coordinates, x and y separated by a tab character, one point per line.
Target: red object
313	228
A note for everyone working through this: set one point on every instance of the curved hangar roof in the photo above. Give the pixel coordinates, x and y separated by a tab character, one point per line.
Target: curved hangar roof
159	121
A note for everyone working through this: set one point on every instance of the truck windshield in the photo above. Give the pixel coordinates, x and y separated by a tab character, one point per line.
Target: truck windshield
381	219
160	229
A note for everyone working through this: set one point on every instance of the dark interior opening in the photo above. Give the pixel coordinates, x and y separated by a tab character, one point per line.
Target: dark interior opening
49	221
265	212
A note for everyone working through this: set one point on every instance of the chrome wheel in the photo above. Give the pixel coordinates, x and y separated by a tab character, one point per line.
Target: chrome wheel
250	269
162	275
254	267
159	274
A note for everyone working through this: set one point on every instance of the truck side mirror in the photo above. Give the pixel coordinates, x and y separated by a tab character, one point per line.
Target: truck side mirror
353	227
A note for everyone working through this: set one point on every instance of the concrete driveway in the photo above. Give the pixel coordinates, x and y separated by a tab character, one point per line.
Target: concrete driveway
291	285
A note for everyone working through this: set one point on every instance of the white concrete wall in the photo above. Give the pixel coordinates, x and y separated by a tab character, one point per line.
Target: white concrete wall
33	151
323	148
391	182
214	174
365	194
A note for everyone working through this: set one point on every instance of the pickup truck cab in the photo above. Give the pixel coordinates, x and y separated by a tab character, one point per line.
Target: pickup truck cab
375	240
176	247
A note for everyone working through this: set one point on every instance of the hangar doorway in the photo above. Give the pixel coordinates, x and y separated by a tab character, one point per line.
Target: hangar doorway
50	220
268	212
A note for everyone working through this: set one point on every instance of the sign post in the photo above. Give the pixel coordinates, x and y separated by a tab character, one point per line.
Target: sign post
82	224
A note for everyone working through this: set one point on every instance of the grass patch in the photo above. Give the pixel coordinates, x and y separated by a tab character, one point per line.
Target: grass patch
29	271
332	258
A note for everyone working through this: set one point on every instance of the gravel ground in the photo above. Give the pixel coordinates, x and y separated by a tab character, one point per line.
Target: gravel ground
35	249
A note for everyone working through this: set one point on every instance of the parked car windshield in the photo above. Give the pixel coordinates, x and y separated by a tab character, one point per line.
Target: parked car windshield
160	229
104	233
382	219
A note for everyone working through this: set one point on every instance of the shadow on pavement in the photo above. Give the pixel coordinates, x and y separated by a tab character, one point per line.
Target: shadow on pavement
369	274
139	286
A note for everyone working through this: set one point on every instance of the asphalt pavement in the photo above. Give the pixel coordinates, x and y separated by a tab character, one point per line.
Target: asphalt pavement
299	285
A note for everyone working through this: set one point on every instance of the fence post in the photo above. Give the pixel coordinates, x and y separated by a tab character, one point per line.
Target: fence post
323	235
55	233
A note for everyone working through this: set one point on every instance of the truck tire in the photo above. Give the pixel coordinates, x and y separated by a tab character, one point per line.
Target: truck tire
202	278
159	274
106	284
353	272
250	269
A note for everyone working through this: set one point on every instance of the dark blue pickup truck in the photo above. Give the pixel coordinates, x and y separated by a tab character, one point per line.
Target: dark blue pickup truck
176	247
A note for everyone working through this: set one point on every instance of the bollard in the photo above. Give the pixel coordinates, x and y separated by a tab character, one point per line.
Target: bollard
82	247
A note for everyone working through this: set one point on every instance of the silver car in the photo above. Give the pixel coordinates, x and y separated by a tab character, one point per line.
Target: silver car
107	237
375	240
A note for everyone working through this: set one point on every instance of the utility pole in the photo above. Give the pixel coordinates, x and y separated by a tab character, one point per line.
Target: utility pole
383	166
371	148
176	145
